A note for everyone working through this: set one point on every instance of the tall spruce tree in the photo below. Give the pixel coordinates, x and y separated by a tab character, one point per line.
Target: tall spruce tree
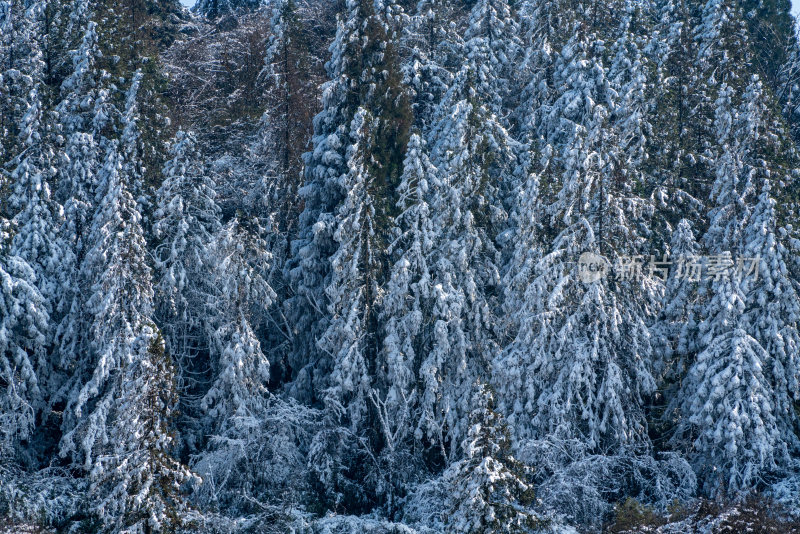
23	335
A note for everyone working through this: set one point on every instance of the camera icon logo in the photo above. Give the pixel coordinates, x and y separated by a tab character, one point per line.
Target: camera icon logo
592	267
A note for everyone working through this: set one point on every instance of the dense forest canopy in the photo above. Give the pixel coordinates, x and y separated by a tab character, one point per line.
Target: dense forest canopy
399	266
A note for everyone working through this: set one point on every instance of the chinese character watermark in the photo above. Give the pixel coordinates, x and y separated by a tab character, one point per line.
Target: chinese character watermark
593	267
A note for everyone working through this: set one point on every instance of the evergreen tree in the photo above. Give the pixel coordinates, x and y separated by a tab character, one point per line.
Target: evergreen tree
377	137
491	491
408	290
117	279
288	72
405	305
472	152
675	333
734	403
136	480
84	112
240	369
492	46
308	269
580	360
773	311
38	216
186	222
23	330
359	140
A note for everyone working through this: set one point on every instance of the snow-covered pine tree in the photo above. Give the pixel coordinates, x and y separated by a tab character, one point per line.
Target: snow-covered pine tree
349	193
541	25
359	140
490	490
404	306
308	269
185	224
728	414
83	112
23	336
773	310
789	88
675	332
580	359
408	288
729	398
627	75
136	480
473	154
8	32
37	219
239	367
186	221
37	216
492	47
116	279
353	293
378	134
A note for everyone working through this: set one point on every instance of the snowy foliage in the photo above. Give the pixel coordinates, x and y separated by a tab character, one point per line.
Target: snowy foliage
399	266
186	221
23	329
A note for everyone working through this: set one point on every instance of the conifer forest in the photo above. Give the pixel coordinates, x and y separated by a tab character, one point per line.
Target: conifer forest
399	267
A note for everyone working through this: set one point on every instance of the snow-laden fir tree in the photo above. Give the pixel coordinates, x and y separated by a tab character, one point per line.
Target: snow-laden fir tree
240	369
727	402
490	490
353	291
37	219
682	117
186	221
408	289
542	26
773	309
308	269
473	154
580	360
289	88
527	249
359	140
378	134
627	74
137	482
349	194
116	279
37	216
185	224
84	111
130	136
730	412
733	186
675	331
492	47
404	306
23	336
